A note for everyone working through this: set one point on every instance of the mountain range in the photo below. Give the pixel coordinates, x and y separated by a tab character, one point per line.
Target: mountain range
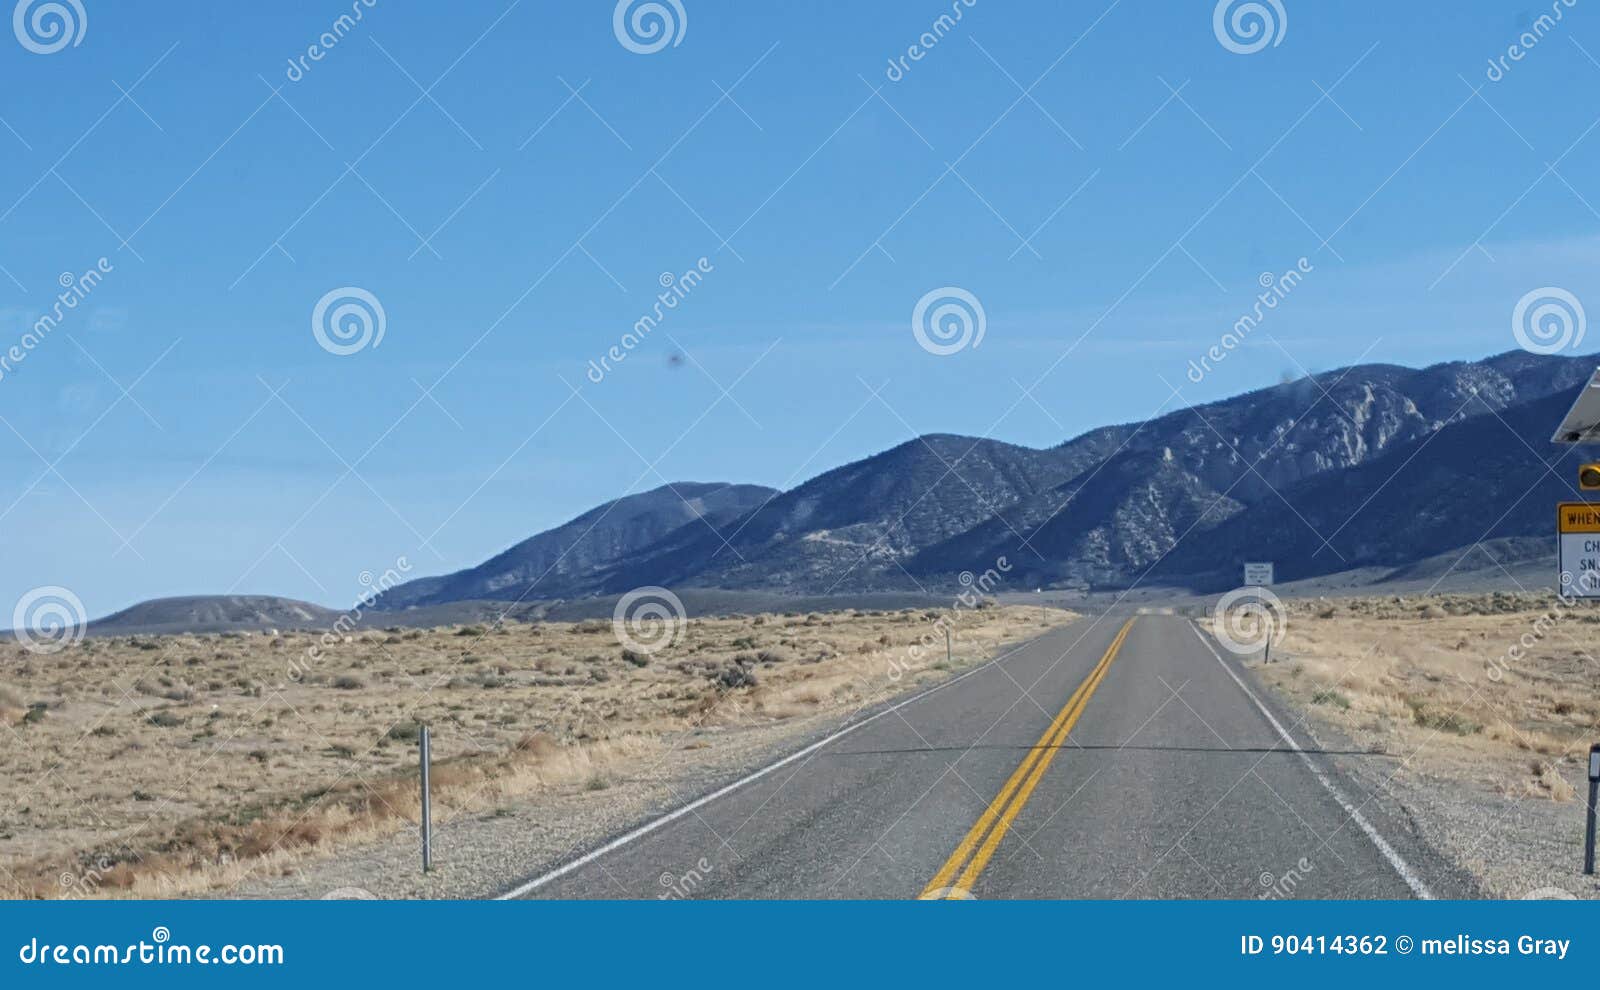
1368	466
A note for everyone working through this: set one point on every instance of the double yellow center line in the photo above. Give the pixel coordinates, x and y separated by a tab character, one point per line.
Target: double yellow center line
984	837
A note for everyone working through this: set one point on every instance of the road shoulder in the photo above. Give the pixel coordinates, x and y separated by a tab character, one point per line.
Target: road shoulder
1370	784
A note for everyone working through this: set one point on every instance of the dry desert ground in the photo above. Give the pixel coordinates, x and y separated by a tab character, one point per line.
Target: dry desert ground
199	764
1478	711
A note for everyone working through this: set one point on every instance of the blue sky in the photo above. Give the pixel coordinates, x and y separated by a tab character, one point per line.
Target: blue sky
511	182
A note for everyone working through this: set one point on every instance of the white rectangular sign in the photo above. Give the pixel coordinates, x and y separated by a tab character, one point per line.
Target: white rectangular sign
1578	530
1257	575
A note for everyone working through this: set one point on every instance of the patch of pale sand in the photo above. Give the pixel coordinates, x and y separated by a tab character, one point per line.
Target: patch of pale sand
178	765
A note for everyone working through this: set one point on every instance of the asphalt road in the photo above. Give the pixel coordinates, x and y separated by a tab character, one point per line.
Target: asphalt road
1119	756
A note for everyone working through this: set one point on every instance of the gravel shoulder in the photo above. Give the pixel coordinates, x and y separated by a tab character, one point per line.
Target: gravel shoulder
1478	709
484	854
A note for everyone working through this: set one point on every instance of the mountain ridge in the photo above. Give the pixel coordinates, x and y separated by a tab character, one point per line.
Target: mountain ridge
1345	470
1104	507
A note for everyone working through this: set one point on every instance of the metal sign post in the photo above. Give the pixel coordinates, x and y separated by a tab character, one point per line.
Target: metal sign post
949	654
1594	785
426	754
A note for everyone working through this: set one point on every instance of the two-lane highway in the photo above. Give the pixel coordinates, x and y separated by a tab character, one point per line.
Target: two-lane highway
1118	756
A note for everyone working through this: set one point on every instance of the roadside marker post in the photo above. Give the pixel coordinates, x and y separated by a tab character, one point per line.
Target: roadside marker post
1258	575
426	753
949	654
1594	785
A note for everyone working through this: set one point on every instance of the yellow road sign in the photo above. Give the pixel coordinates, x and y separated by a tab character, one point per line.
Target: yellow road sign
1578	540
1578	517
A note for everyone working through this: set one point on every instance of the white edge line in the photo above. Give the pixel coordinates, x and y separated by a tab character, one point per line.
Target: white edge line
1400	865
672	816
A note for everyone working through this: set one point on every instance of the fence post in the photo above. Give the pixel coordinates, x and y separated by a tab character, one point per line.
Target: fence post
1594	785
426	753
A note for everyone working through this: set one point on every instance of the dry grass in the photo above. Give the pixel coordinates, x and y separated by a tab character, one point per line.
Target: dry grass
176	765
1496	691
